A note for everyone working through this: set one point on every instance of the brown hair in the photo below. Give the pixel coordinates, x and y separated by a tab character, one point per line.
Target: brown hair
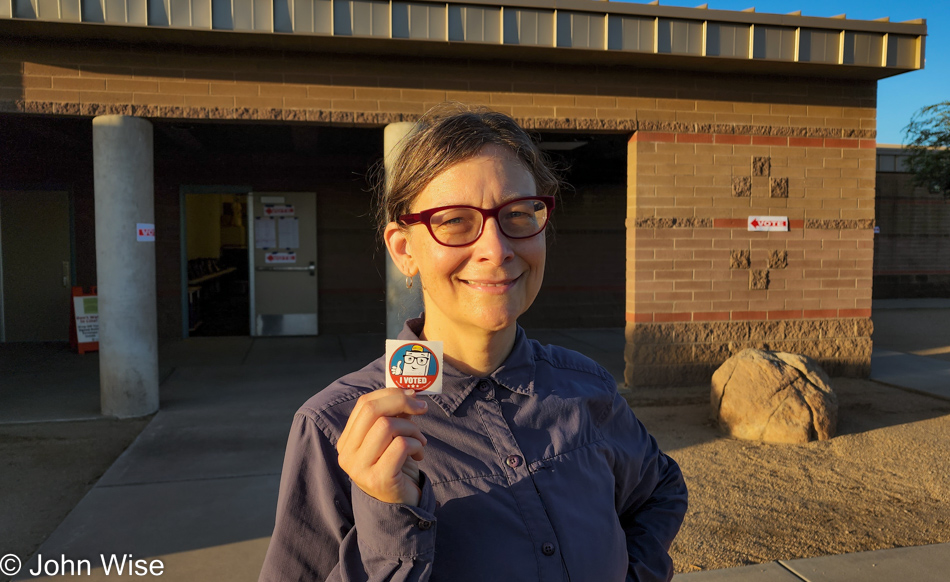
449	134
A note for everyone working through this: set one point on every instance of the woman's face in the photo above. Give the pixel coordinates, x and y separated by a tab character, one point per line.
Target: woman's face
489	283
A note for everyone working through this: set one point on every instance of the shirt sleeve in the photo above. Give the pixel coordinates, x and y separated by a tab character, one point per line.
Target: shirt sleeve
328	529
651	495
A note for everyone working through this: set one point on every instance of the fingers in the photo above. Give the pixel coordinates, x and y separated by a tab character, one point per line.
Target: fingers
395	455
379	440
383	432
390	402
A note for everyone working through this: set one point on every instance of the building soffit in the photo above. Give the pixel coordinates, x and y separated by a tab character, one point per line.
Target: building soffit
557	31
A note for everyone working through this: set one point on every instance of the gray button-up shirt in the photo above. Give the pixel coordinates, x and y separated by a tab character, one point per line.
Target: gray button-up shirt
538	472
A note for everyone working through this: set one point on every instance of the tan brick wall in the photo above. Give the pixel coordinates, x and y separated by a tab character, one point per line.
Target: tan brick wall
696	264
696	135
49	77
912	251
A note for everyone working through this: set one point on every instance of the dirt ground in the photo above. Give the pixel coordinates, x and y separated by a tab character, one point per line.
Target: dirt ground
46	469
883	482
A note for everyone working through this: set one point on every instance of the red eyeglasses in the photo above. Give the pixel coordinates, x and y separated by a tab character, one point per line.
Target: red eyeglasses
458	226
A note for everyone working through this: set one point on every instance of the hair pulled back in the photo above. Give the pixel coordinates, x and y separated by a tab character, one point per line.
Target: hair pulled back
449	134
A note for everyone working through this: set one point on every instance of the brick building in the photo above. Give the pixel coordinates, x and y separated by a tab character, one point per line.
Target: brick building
912	249
677	125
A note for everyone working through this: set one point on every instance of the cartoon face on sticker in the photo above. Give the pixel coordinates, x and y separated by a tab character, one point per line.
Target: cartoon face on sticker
414	365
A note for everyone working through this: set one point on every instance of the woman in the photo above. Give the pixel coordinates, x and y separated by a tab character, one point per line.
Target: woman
529	465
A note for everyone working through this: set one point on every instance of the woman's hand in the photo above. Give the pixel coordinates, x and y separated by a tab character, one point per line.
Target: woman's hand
380	445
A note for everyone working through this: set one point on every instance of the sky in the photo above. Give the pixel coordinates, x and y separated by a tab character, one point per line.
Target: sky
898	97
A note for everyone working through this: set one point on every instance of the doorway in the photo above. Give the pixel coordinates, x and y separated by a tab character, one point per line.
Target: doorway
218	278
249	263
35	266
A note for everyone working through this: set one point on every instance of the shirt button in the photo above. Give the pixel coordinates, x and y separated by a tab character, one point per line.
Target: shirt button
548	549
425	525
483	387
513	461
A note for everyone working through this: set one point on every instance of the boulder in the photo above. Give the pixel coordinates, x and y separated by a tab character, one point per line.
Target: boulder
775	397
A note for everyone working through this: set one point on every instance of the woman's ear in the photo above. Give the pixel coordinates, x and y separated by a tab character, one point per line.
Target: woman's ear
397	242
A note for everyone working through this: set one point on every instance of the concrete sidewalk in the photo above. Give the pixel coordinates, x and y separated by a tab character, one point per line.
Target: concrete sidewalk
197	489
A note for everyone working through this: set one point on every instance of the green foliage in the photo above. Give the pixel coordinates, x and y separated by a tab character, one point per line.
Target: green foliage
927	139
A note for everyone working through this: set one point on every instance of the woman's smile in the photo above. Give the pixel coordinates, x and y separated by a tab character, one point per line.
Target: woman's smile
492	285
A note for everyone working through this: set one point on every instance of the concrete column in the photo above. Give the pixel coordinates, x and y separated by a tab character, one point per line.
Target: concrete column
401	303
128	331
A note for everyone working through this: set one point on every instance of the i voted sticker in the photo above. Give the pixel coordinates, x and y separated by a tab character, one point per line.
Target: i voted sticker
416	365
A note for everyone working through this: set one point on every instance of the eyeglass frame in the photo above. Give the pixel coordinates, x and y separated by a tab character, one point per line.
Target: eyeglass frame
425	217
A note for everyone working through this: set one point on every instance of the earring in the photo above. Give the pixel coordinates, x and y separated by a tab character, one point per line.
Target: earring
408	282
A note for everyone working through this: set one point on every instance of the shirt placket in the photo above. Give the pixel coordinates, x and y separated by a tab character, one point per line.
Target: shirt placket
520	483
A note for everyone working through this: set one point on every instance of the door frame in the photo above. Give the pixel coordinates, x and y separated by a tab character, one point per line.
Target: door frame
183	191
70	198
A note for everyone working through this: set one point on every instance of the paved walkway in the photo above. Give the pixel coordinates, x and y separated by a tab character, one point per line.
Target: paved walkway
198	487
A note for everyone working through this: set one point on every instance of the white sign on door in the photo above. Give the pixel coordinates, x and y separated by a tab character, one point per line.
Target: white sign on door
278	209
280	258
265	233
768	223
288	232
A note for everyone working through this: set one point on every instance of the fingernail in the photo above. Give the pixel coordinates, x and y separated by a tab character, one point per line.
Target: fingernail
420	404
409	392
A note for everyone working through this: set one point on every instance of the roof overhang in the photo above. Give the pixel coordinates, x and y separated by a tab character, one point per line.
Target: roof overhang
555	31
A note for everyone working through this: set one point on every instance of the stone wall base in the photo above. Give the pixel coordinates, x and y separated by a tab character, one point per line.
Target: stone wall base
679	354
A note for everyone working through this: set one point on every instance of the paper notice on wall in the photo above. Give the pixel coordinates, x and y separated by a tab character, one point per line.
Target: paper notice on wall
265	233
144	232
87	318
288	232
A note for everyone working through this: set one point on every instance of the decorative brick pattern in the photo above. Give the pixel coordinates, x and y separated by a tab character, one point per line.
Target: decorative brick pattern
758	279
663	354
740	259
778	187
761	166
741	186
778	259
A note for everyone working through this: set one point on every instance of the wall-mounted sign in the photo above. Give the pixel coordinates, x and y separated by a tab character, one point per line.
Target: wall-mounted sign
768	223
145	232
280	258
278	210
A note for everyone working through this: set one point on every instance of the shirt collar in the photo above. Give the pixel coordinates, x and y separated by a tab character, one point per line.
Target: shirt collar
516	373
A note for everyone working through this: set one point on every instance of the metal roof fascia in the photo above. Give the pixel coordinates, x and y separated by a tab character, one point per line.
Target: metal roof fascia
726	16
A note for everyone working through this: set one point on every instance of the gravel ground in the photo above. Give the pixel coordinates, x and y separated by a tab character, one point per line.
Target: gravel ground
883	482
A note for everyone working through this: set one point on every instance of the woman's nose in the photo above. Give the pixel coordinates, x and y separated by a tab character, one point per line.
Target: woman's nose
493	245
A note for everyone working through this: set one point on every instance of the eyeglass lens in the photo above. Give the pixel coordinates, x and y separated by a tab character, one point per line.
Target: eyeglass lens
518	219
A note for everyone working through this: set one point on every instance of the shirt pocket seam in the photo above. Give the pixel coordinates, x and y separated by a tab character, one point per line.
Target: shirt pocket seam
472	478
539	462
